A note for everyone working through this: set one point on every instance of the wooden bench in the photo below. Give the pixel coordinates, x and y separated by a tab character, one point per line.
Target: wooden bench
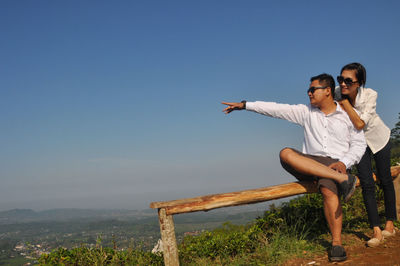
166	209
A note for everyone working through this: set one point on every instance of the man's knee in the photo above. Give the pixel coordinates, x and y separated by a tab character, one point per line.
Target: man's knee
327	193
332	203
285	154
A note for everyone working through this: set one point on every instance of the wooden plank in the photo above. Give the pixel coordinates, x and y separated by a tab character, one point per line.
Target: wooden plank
170	249
209	202
298	187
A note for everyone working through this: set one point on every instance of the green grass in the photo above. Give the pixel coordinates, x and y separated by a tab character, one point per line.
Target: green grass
14	261
99	256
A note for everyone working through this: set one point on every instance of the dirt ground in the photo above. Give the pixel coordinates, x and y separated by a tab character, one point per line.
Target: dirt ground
388	253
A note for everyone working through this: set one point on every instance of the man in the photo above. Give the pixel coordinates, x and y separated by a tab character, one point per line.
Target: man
331	145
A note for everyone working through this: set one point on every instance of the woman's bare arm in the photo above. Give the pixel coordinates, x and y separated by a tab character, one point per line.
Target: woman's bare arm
354	117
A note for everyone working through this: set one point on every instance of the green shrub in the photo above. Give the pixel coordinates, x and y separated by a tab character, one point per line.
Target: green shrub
230	240
100	256
302	216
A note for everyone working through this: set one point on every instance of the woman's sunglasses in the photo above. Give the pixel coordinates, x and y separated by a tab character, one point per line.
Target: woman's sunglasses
347	81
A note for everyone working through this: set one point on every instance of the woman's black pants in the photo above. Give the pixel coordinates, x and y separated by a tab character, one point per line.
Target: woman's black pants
382	161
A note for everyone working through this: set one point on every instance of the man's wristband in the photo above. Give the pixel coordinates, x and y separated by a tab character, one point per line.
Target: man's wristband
244	104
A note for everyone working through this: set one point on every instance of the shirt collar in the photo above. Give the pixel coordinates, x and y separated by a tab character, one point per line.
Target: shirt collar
338	108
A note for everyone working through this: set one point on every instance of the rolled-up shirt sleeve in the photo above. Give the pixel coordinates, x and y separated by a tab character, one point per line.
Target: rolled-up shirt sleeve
369	109
293	113
357	148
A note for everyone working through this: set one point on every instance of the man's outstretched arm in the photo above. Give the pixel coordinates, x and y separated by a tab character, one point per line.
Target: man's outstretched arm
292	113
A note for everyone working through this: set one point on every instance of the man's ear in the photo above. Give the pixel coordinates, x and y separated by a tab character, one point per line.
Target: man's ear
329	92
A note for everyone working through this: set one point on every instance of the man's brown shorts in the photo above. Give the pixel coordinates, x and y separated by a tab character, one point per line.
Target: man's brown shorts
328	183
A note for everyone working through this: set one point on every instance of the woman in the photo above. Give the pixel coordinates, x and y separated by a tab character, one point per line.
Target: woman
352	94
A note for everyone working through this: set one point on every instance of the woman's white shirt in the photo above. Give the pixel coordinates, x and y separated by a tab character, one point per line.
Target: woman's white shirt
377	134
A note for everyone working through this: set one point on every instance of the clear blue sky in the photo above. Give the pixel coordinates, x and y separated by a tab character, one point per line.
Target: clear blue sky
114	104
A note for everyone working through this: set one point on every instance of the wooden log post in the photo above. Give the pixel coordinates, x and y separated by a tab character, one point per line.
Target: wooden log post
170	249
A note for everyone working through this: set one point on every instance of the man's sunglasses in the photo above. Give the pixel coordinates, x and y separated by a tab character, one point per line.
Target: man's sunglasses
313	89
347	81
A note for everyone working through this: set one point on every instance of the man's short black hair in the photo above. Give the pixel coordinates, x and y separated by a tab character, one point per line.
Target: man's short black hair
325	80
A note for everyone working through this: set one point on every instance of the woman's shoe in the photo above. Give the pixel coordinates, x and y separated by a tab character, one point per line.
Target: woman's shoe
386	233
374	242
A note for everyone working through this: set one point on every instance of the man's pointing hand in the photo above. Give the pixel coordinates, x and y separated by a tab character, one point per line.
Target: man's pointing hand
233	106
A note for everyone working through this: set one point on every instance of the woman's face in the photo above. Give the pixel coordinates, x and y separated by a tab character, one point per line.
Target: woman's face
346	88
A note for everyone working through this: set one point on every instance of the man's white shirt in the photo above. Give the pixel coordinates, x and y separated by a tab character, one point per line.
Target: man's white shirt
331	135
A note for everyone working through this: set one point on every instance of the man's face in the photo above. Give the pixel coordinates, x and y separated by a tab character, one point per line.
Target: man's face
317	92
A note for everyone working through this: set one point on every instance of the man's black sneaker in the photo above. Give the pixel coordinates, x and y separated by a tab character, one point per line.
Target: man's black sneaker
337	253
348	187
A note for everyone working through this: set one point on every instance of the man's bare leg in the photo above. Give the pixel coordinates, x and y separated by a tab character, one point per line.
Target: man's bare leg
333	214
310	167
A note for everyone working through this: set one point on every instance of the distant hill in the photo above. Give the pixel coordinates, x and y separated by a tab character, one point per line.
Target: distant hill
18	216
27	215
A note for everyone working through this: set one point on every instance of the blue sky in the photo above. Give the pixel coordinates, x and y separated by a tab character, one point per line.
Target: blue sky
114	104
